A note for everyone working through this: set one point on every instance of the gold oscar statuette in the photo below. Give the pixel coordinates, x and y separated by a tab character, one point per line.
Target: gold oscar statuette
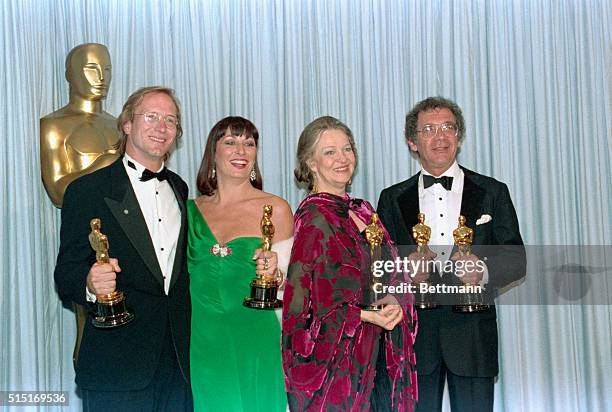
374	236
469	302
421	234
111	311
80	137
264	288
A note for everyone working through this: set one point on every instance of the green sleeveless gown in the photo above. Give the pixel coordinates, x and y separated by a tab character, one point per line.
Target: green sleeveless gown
235	351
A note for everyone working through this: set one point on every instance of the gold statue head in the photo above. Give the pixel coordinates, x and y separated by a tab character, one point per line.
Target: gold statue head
267	228
95	224
421	233
373	232
463	236
267	210
88	71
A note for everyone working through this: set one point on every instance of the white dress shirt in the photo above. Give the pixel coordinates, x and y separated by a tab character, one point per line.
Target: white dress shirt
161	213
442	208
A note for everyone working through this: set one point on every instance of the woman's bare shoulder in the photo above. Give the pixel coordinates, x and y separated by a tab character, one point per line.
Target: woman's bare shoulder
282	216
279	204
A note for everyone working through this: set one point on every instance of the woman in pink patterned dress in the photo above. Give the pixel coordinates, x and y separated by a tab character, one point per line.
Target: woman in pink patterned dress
331	346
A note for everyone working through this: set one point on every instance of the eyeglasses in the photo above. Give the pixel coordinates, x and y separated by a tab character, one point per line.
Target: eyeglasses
170	121
447	129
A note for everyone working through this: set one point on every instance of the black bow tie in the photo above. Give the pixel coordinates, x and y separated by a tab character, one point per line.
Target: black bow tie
148	175
445	181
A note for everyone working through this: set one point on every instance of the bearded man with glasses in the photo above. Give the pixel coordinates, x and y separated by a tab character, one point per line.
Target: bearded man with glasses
143	365
457	348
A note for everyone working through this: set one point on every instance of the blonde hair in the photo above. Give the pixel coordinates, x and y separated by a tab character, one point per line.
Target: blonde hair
308	141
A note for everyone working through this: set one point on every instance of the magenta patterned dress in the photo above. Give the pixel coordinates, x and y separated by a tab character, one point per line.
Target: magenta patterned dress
329	354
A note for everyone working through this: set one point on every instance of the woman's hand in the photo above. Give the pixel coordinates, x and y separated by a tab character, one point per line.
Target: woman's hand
266	263
388	317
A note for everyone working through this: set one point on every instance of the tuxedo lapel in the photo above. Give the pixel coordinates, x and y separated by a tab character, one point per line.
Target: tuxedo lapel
408	204
180	250
125	208
471	201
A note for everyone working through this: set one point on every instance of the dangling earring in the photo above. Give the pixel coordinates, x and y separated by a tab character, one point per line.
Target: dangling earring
253	174
213	174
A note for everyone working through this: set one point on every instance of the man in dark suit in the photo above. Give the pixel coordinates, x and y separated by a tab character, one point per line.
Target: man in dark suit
460	348
143	365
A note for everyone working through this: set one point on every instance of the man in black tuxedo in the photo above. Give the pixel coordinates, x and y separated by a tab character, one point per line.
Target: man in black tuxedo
460	348
143	365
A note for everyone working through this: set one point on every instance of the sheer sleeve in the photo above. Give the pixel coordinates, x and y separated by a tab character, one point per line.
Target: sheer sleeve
283	250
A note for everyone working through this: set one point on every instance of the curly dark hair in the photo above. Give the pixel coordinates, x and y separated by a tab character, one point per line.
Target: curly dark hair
428	104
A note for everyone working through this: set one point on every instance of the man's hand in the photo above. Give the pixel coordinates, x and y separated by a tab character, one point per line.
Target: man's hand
101	279
419	262
470	271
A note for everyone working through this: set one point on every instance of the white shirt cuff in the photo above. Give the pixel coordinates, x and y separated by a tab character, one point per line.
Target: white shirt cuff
90	296
485	276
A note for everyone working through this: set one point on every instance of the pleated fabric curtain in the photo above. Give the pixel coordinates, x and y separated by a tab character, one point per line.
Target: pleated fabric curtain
534	79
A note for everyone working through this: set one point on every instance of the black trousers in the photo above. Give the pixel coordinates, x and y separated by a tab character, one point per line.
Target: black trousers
467	394
168	390
380	398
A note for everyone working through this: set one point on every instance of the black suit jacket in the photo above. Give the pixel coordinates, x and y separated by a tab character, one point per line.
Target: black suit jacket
123	358
466	342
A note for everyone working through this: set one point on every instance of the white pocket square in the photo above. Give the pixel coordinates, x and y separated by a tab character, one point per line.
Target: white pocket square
483	219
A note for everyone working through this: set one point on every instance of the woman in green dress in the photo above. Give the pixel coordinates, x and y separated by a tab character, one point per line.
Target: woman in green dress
235	351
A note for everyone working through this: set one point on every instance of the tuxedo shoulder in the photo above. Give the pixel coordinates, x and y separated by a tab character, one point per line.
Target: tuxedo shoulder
481	179
176	178
92	180
400	187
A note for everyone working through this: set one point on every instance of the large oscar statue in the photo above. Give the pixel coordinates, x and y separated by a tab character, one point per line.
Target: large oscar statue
80	137
421	234
264	288
374	236
111	310
469	302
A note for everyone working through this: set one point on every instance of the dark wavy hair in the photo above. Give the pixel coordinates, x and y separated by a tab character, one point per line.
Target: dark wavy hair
237	126
308	141
428	104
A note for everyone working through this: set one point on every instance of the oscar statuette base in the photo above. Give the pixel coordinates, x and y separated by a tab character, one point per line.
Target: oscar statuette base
471	303
263	295
425	301
111	311
372	307
426	305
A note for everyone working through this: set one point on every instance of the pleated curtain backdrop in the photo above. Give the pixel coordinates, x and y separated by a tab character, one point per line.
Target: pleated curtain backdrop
534	79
